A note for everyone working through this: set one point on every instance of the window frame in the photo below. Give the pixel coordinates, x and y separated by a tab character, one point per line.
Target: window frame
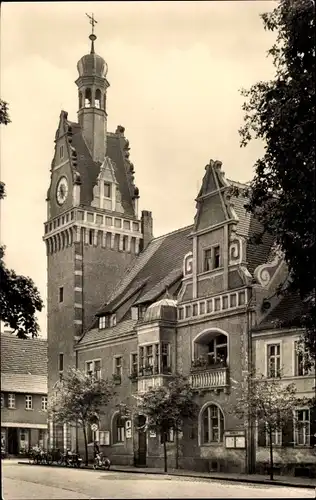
61	295
102	322
118	436
93	372
28	399
132	365
297	364
61	362
108	184
11	401
209	262
279	356
306	428
44	403
220	427
115	365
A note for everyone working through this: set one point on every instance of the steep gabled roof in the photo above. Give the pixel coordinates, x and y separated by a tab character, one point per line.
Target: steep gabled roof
23	356
161	259
287	313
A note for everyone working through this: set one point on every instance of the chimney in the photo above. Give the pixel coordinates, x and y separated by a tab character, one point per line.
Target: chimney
147	228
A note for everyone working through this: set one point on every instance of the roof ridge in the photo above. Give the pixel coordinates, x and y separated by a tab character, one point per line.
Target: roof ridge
172	232
14	337
238	184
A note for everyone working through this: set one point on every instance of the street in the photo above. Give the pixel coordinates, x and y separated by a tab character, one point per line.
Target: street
37	482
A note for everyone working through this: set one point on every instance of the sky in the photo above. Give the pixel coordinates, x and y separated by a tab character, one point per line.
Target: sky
175	73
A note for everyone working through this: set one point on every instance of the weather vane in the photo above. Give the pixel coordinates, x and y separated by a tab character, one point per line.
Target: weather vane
92	21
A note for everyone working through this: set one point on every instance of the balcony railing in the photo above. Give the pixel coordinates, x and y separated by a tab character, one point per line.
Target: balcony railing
209	378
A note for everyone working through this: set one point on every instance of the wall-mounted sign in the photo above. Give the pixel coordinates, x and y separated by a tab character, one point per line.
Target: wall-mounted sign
128	424
152	434
235	439
94	427
128	433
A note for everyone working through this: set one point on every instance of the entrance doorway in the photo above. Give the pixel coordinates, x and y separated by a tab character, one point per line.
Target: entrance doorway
13	446
142	442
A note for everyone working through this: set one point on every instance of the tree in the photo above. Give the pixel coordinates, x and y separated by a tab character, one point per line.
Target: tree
168	407
268	402
281	112
78	399
19	297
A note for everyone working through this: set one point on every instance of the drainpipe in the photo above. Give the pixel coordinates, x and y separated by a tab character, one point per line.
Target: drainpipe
250	444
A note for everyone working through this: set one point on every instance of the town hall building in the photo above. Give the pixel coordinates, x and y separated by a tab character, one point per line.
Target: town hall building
124	304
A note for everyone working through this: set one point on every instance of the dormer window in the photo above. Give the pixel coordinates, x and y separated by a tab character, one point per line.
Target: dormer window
134	313
102	322
107	190
113	320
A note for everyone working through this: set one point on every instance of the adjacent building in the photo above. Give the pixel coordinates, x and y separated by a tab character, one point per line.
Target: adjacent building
23	393
125	304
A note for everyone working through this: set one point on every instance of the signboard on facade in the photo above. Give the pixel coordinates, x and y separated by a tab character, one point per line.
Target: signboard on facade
152	434
235	439
128	433
128	424
94	427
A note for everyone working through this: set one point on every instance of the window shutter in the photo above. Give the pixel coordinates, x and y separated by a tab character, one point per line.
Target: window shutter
261	434
312	413
288	433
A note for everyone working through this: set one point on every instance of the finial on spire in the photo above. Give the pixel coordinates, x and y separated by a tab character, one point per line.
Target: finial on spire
92	37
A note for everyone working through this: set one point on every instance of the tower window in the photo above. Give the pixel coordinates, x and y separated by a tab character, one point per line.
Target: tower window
80	100
107	190
124	245
61	152
208	260
87	98
90	236
61	294
97	101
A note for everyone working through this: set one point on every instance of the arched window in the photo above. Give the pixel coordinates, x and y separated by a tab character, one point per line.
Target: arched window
87	98
212	425
97	100
118	429
80	100
104	101
210	349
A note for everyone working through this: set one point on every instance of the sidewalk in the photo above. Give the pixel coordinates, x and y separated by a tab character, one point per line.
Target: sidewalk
298	482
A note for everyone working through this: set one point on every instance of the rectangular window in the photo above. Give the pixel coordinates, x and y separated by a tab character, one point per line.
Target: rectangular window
134	313
61	294
102	322
61	362
118	366
141	357
107	190
11	401
216	257
274	360
89	368
301	356
97	369
44	403
119	431
134	363
208	260
90	236
149	356
165	358
61	152
302	427
170	436
28	403
124	245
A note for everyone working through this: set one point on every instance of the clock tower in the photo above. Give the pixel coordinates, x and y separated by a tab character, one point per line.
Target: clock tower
93	231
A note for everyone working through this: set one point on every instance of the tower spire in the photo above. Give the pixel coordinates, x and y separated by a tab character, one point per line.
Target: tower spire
92	37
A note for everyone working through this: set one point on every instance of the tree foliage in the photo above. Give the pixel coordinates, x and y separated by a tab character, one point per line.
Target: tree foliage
281	112
270	402
80	399
168	407
19	297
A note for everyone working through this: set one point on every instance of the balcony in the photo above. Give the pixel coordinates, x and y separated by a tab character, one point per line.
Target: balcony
209	376
149	377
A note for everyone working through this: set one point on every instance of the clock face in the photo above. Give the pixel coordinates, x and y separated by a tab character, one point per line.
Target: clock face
62	190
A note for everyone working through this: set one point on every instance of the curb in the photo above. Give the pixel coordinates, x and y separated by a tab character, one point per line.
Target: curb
198	476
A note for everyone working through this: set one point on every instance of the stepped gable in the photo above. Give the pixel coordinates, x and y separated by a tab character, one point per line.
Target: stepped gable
88	170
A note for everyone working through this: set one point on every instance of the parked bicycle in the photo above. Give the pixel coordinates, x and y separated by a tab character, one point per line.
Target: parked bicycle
37	455
101	462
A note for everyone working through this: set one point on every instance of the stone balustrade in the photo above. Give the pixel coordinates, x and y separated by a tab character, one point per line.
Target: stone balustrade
210	379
